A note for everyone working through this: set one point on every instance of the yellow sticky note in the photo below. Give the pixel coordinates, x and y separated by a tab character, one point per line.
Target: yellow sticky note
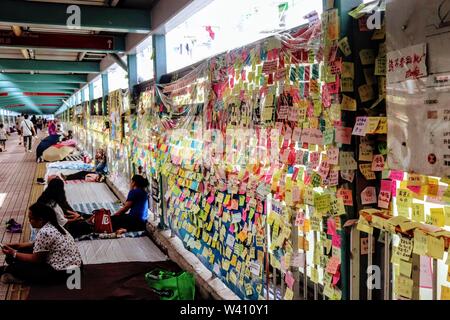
445	293
420	243
405	268
404	287
373	124
289	294
437	217
447	215
418	212
348	104
435	247
404	198
314	275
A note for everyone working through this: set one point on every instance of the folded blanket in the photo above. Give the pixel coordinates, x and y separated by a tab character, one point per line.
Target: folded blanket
56	154
71	165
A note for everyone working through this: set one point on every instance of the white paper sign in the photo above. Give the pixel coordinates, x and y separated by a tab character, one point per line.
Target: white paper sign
407	63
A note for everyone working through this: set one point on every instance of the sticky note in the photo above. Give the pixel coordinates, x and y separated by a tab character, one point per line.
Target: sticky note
437	217
360	127
366	170
445	292
405	268
418	212
435	247
404	249
404	287
420	242
366	93
365	152
345	46
348	104
367	56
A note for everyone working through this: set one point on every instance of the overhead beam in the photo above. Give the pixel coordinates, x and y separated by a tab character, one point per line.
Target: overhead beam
38	86
10	91
49	65
27	13
33	94
63	41
63	78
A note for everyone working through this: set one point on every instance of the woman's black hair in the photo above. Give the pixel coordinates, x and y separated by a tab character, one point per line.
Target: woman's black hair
141	182
55	192
47	214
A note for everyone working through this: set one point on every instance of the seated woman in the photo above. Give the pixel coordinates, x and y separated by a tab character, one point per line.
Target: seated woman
54	196
48	258
137	203
101	168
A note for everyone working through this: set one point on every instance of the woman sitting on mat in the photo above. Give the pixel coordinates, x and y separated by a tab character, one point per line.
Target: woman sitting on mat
101	169
137	203
47	259
54	196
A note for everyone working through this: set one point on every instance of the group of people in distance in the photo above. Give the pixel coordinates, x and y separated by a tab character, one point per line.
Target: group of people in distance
26	128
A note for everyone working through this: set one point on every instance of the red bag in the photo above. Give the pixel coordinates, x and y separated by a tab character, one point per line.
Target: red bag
101	219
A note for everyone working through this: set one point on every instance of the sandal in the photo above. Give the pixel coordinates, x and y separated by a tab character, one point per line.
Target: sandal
13	227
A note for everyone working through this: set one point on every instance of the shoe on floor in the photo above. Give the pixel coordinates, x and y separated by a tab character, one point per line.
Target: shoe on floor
8	278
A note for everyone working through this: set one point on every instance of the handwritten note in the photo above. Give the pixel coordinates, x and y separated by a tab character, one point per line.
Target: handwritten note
360	127
365	152
367	56
407	63
346	161
369	196
348	104
436	247
378	163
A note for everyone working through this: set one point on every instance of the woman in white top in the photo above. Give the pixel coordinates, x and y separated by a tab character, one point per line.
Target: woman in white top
46	260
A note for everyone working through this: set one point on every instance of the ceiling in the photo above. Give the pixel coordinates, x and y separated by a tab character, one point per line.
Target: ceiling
43	62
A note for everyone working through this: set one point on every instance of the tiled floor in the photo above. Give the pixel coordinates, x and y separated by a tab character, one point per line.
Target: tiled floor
17	188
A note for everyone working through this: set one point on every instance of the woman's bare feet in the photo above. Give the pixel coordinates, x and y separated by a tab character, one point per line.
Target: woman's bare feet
121	231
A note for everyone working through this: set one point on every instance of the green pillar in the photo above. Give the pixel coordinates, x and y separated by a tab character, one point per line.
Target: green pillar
160	57
105	92
132	71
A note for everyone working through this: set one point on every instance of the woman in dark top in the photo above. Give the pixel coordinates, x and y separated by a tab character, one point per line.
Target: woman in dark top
54	196
137	204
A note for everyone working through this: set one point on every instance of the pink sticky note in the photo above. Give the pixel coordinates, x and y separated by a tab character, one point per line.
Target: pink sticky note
386	185
396	175
289	279
231	228
343	135
336	240
331	226
210	199
336	278
415	189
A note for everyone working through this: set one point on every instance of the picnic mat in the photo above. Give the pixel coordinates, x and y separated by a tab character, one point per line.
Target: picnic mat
105	282
120	250
89	192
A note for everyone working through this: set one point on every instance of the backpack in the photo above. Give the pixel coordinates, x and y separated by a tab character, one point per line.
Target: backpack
101	219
